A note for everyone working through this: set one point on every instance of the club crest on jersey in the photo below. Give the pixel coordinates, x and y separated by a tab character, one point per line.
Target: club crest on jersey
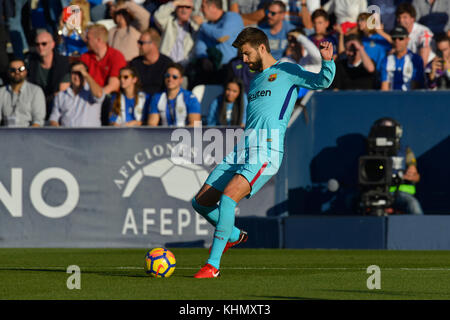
272	77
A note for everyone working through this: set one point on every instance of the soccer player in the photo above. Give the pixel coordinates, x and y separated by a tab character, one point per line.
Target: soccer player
272	95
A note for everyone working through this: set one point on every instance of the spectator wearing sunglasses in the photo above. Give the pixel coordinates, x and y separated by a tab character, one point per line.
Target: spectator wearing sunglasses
175	106
129	103
276	28
48	69
402	69
22	103
178	30
151	64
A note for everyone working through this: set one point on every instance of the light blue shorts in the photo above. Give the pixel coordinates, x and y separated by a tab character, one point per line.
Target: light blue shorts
257	168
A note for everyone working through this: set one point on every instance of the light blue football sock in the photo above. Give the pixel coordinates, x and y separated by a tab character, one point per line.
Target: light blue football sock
223	230
211	214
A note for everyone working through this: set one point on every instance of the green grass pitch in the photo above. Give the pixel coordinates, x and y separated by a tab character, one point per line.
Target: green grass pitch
250	274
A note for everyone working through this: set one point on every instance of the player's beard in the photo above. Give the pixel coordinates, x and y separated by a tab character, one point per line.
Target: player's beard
257	65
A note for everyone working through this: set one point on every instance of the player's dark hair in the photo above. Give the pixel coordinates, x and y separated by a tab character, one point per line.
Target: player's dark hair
405	8
320	13
253	36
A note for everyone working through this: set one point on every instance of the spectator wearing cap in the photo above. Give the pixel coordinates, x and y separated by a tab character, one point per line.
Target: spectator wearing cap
402	69
178	30
276	28
48	69
79	105
435	14
420	36
22	104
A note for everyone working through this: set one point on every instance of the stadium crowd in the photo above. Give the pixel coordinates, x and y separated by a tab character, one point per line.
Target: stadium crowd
89	63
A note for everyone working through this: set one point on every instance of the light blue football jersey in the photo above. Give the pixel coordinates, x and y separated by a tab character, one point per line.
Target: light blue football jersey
272	97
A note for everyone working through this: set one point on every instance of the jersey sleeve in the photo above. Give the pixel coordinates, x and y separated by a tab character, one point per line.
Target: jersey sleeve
193	106
309	80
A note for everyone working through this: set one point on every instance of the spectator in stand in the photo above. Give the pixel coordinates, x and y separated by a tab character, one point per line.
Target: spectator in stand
6	12
178	30
346	12
16	33
298	13
48	69
438	71
420	37
71	37
402	69
174	106
129	103
276	28
124	37
302	51
198	6
229	108
140	16
321	22
151	64
435	14
376	42
102	61
213	46
79	105
355	70
251	11
22	104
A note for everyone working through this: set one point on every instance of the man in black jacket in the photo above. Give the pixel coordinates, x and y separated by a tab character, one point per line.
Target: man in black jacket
48	69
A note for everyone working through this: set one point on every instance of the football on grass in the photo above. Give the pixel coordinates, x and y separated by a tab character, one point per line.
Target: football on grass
160	263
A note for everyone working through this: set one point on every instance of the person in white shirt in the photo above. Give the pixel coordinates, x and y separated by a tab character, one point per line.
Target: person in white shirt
178	30
420	36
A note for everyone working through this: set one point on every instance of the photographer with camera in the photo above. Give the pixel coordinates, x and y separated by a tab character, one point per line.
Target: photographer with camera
388	175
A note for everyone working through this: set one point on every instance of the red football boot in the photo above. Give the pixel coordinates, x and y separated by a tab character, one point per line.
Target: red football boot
207	271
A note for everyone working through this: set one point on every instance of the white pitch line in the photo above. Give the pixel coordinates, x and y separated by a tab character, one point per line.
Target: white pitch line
230	268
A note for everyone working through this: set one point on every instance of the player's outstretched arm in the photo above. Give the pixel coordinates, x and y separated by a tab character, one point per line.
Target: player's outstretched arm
316	81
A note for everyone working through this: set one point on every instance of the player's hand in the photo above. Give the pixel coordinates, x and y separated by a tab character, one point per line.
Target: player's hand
326	50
